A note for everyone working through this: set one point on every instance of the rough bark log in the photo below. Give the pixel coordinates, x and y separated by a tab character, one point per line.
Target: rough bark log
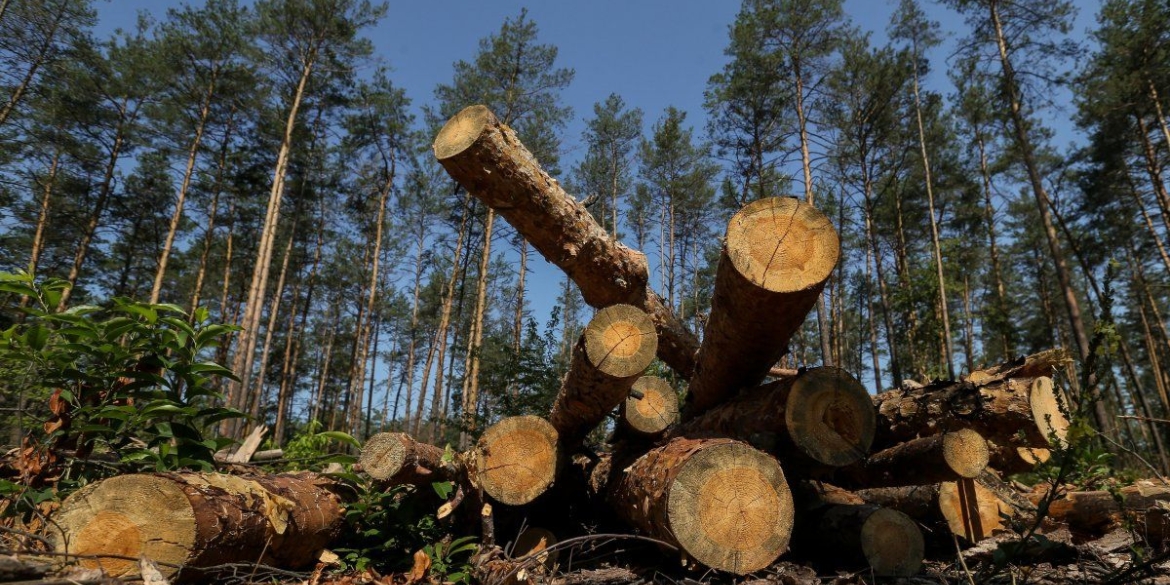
821	417
613	351
397	459
723	503
517	459
1097	511
886	540
1036	365
651	407
965	508
199	520
1016	412
938	458
777	257
486	157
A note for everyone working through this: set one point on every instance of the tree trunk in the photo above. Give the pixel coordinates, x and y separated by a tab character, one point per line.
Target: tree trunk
616	347
516	459
651	407
485	156
43	216
932	459
475	337
273	313
22	88
777	257
1001	304
199	520
821	417
721	502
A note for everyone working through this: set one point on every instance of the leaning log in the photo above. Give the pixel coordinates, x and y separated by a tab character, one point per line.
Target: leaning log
516	459
965	508
488	159
651	407
947	457
723	503
1016	412
778	254
613	351
198	520
823	417
398	459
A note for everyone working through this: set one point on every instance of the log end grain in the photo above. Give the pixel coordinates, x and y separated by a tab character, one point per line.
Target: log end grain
965	452
971	510
730	508
782	244
830	416
651	407
621	340
462	130
1046	409
517	459
892	544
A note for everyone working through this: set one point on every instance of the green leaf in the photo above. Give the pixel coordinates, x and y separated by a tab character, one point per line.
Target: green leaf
443	488
340	436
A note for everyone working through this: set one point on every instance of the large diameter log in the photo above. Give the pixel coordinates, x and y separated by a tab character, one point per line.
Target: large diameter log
488	159
966	508
821	417
888	541
723	503
396	459
1016	412
517	459
199	520
651	407
947	457
777	257
613	351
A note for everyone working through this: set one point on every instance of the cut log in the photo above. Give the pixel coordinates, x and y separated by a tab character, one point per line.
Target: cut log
199	520
651	407
488	159
938	458
516	459
723	503
613	351
1097	511
886	540
777	257
965	508
1016	412
397	459
821	417
1032	366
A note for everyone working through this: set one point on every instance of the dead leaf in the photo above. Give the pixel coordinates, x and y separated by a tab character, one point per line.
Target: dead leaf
422	565
151	575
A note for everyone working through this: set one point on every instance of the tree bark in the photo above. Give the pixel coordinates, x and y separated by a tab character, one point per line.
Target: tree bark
199	520
778	255
723	503
487	158
1097	511
613	351
820	418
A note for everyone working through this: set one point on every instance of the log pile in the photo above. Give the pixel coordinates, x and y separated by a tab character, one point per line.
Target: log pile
728	477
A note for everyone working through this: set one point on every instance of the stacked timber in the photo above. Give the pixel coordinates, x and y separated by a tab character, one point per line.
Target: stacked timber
729	476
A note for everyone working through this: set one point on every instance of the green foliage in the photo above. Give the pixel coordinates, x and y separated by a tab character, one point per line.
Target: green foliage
310	449
129	381
384	526
450	561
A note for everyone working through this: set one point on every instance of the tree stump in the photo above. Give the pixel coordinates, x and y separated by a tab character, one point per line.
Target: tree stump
723	503
517	459
777	257
613	351
199	520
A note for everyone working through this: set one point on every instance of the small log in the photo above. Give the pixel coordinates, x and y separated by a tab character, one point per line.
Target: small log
723	503
886	540
938	458
613	351
488	159
199	520
1099	510
397	459
1032	366
777	257
965	508
517	459
1016	412
651	407
821	417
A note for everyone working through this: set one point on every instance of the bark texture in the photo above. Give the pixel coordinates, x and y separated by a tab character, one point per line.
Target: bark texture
488	159
777	257
199	520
